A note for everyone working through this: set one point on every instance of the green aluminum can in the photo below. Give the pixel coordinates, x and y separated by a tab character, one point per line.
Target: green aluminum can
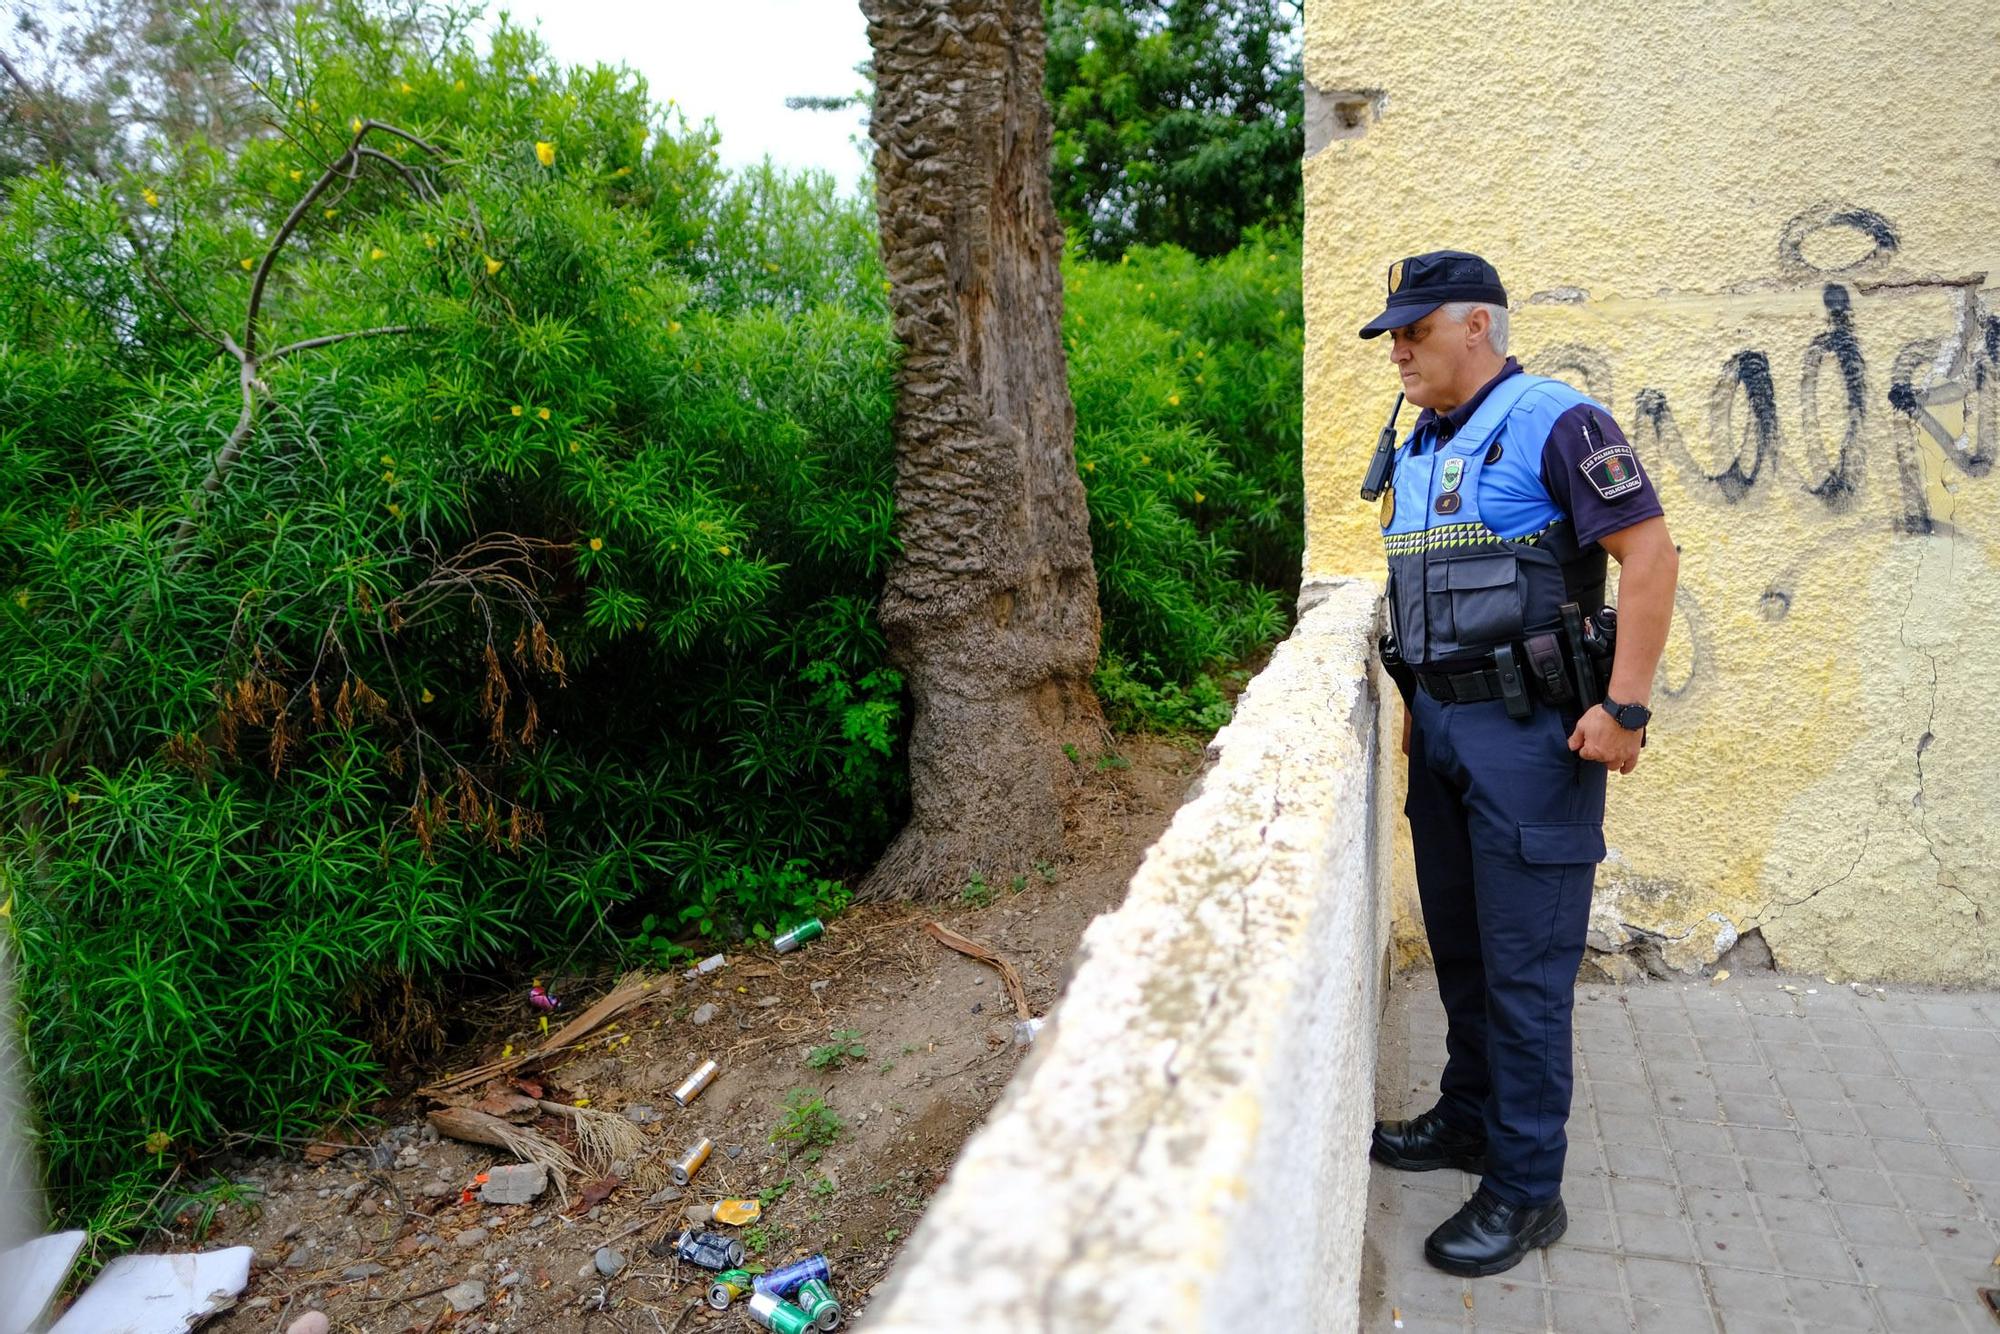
727	1287
799	935
775	1313
816	1299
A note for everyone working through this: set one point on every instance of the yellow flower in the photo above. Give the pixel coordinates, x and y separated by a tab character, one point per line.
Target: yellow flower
407	90
7	908
388	461
458	85
673	326
73	796
1090	465
1170	477
581	1102
533	79
430	242
545	153
1145	459
493	265
597	544
1174	400
158	1142
248	264
428	696
298	174
507	1052
1199	497
543	413
574	447
390	476
355	125
152	200
516	409
378	253
395	510
330	212
1124	259
21	599
622	171
722	551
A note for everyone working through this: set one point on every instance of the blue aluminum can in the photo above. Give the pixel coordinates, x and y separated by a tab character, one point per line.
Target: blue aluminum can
784	1282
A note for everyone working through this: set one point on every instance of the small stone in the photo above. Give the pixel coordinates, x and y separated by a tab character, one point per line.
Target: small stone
409	1157
641	1113
356	1273
291	1230
979	1007
820	986
299	1258
698	1213
472	1236
353	1192
510	1280
467	1296
766	1002
733	1150
663	1197
327	1193
514	1183
437	1190
539	1220
609	1262
702	1014
312	1322
381	1155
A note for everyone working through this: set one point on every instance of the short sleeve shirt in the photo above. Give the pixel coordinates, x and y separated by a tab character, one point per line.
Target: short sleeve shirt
1589	469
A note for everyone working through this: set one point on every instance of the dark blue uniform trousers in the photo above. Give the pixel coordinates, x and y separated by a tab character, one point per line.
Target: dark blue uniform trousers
1508	827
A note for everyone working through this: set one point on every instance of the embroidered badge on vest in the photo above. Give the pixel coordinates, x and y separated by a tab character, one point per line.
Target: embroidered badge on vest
1453	474
1613	471
1448	502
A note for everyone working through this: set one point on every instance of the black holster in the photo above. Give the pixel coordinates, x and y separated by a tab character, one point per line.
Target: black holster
1398	670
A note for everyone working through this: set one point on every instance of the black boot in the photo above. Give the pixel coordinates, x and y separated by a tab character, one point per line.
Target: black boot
1488	1235
1425	1143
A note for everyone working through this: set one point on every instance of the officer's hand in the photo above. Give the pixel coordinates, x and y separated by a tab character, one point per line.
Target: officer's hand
1599	737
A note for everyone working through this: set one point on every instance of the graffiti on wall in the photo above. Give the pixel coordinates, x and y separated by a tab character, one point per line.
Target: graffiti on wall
1766	432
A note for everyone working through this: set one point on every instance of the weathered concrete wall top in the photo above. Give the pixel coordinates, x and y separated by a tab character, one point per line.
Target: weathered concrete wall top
1764	235
1186	1149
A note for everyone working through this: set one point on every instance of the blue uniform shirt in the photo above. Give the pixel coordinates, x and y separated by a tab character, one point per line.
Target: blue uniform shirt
1585	467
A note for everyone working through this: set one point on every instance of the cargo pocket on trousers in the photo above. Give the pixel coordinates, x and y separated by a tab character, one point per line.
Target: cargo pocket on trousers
1562	843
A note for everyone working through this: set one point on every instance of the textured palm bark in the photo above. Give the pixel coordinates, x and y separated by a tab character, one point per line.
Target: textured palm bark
991	606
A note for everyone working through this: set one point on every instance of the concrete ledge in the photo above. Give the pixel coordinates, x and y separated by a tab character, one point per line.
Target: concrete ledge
1186	1147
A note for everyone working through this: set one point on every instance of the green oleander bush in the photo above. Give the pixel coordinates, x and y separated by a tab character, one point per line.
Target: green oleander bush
544	624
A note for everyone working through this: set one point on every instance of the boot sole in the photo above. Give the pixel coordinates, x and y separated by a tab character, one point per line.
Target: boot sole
1474	1163
1547	1235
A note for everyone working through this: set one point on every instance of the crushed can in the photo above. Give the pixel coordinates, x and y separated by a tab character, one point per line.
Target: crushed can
786	1280
798	935
776	1314
816	1299
727	1287
710	1250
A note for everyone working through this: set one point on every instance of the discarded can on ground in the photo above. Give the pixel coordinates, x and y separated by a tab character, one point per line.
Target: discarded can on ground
727	1287
799	935
785	1281
736	1212
710	1250
816	1299
690	1162
778	1315
708	965
691	1087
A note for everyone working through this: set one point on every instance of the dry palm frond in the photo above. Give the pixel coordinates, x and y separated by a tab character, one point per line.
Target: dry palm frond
526	1144
601	1138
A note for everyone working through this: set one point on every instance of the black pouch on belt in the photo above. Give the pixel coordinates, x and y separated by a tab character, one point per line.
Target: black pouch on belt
1545	665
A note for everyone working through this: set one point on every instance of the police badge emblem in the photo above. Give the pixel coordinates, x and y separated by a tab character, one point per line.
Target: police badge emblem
1395	275
1453	474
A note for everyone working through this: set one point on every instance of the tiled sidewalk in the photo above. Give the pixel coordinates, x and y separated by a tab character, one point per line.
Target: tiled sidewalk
1743	1159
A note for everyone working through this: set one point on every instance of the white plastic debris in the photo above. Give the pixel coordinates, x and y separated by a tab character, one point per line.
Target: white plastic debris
159	1294
30	1274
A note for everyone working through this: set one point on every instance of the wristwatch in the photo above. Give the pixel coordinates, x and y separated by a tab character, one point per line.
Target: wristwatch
1631	717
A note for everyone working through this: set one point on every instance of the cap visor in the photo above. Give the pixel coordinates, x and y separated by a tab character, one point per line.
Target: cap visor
1395	317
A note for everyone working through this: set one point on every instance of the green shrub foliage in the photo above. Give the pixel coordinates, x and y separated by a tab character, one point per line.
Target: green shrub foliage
548	610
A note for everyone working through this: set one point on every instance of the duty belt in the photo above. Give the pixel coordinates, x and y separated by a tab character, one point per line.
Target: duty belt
1471	687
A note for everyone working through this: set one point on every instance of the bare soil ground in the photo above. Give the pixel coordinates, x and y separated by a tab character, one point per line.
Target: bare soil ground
378	1237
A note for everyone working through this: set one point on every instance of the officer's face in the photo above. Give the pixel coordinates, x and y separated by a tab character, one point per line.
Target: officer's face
1433	356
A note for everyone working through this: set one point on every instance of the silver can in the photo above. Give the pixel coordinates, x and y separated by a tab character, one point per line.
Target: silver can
690	1162
691	1087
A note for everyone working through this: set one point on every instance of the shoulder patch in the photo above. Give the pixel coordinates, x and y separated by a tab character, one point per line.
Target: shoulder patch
1613	471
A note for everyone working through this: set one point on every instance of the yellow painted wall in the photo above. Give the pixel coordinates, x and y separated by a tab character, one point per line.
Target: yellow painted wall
1678	197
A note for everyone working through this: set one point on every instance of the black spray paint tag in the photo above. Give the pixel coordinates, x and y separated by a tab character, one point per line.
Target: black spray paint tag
1613	471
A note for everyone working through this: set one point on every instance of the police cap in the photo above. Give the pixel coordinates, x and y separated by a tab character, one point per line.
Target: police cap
1420	284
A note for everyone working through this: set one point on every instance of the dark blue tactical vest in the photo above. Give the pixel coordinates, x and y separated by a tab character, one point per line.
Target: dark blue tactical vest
1479	554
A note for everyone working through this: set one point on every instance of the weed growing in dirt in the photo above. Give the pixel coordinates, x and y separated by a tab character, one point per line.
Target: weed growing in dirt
846	1046
1047	871
808	1124
1111	759
977	892
824	1187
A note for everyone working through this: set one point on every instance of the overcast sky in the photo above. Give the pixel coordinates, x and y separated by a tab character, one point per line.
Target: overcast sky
735	60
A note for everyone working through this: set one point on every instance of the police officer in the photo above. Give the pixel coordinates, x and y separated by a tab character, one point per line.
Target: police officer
1499	509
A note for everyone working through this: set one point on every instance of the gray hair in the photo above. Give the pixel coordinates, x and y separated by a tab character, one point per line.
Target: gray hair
1496	333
